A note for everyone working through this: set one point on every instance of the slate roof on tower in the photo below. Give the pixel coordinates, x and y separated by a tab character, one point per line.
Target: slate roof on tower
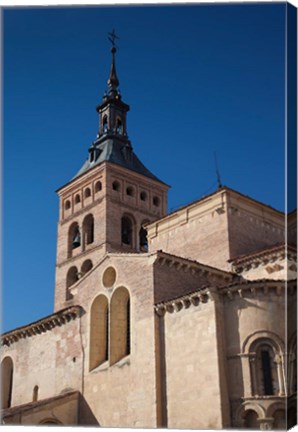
117	152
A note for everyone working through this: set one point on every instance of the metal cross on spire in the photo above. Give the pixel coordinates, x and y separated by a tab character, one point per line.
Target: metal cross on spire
112	37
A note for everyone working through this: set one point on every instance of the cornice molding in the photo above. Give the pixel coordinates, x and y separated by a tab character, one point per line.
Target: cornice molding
45	324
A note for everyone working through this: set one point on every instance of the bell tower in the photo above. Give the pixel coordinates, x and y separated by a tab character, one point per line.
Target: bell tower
105	207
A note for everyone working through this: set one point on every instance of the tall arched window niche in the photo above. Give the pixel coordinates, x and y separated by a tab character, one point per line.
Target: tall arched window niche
88	230
35	394
6	382
99	332
127	231
74	238
98	186
72	276
105	125
87	192
265	354
120	327
143	240
86	267
119	126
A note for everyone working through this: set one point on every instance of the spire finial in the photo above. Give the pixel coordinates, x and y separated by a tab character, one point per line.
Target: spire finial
113	81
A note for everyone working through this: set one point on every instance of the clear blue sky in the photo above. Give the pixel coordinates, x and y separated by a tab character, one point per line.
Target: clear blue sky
198	79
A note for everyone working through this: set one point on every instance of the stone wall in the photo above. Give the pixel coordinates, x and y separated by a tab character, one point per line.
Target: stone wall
251	314
193	382
51	360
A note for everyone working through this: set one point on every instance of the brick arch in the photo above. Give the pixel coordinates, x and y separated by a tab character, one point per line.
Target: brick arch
73	233
88	230
143	240
128	230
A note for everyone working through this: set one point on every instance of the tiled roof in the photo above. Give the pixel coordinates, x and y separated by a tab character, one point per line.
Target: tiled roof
162	254
204	292
278	247
7	412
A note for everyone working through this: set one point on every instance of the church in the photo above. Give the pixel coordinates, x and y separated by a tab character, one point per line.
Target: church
179	320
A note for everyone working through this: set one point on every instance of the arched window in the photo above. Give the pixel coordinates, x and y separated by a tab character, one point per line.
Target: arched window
119	127
67	205
156	201
74	238
266	373
6	382
116	186
99	332
86	266
130	191
98	186
87	192
35	394
77	199
105	124
143	238
126	231
143	196
120	325
72	276
251	420
88	229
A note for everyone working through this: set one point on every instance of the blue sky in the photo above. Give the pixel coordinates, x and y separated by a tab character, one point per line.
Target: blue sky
199	79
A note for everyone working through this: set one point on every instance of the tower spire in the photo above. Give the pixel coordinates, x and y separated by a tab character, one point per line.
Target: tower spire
113	81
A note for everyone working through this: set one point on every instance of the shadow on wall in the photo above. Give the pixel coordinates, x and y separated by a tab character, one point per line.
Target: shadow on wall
86	416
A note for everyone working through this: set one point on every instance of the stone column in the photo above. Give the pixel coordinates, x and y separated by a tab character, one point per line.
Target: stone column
266	423
254	383
246	374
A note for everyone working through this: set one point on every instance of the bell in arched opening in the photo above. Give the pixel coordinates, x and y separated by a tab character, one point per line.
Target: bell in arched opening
76	240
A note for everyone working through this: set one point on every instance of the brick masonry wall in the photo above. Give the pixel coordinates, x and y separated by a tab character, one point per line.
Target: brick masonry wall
198	232
107	207
252	226
123	394
217	228
171	282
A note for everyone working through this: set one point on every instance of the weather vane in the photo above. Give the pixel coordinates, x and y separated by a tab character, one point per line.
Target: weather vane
112	37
